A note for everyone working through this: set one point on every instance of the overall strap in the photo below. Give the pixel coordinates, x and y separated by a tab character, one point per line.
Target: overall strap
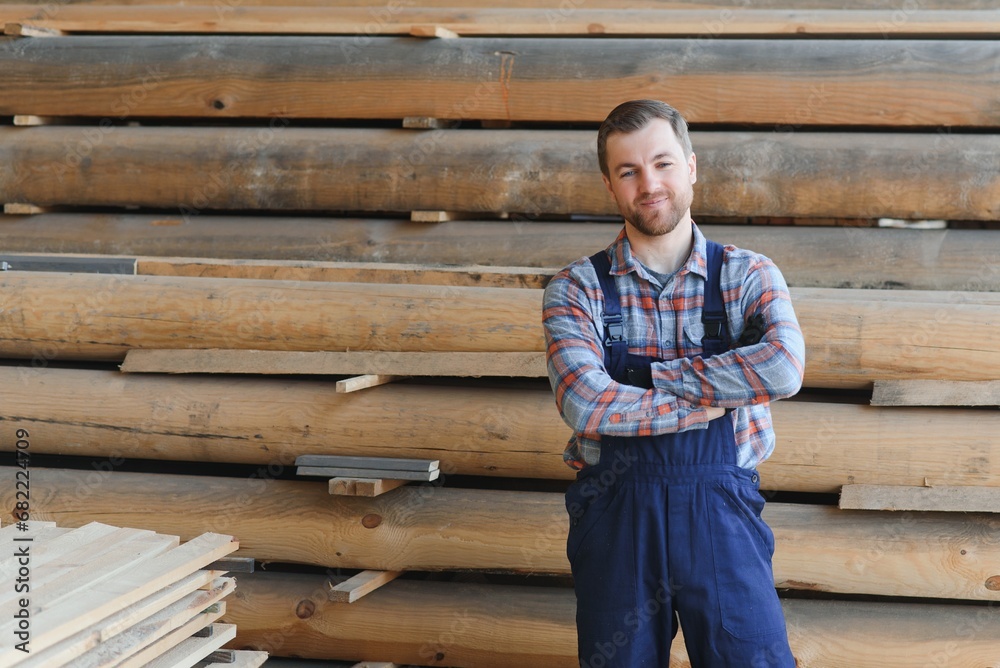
713	313
615	343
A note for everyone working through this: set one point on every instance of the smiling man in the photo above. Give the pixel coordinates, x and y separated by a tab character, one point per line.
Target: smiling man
664	351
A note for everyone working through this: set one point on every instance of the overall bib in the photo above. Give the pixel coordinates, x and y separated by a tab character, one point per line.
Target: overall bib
667	527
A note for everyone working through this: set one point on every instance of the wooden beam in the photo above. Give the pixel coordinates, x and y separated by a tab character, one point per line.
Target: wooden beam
199	169
513	365
364	382
850	342
833	82
491	431
359	585
363	486
27	30
422	528
842	257
944	499
523	21
534	626
936	393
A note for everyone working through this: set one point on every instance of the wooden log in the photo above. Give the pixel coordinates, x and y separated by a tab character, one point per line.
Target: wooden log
849	343
943	499
513	432
270	362
843	257
794	83
489	21
496	626
731	5
936	393
426	528
197	169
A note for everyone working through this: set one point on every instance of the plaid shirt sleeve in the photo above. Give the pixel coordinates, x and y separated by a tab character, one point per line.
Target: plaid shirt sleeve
588	399
753	374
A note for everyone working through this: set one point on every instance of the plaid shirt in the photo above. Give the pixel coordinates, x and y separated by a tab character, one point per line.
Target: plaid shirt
664	322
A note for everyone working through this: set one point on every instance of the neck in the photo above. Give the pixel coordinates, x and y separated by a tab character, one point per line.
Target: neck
665	253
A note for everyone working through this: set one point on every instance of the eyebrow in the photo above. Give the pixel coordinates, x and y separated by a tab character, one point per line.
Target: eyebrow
658	156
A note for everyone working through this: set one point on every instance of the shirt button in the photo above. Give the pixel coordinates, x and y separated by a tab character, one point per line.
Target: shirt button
753	478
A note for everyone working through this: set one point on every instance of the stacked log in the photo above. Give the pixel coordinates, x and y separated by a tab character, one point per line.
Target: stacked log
249	164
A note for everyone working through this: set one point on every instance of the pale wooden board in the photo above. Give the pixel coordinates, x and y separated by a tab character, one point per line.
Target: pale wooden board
150	630
243	659
61	578
945	499
339	472
182	634
108	627
72	547
361	584
380	463
190	651
357	383
53	623
363	486
530	365
936	393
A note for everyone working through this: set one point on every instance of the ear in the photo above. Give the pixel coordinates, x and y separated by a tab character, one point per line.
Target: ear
693	168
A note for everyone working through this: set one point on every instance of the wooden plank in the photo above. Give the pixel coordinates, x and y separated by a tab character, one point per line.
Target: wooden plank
799	174
529	365
93	265
363	486
104	629
482	21
944	499
353	588
383	463
146	633
792	83
454	5
535	627
103	599
936	393
341	472
364	382
242	659
232	565
493	431
376	664
819	548
842	257
348	272
182	636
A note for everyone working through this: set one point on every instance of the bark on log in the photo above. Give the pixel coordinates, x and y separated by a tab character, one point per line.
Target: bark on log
491	626
819	548
471	430
852	339
506	21
520	171
817	257
789	83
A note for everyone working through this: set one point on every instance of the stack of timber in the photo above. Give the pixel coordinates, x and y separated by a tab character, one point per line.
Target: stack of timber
311	231
103	596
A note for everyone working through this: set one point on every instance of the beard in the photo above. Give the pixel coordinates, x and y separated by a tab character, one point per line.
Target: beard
662	220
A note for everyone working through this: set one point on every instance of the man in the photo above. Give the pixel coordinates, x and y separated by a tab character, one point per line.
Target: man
663	352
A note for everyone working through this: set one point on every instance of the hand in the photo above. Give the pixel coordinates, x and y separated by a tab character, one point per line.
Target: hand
715	412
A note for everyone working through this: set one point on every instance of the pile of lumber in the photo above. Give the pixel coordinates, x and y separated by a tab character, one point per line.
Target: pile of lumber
99	595
259	235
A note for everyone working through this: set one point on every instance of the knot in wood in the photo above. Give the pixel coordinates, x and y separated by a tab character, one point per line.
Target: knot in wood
305	609
993	584
371	520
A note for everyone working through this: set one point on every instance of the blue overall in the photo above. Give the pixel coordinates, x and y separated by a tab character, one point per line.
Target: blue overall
667	527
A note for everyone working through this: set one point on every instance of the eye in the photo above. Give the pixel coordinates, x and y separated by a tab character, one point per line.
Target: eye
663	165
626	174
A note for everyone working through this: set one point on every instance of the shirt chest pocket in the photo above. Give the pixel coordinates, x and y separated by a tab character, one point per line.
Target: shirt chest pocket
691	335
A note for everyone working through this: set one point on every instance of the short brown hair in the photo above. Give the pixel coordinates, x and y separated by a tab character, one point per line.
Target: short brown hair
634	115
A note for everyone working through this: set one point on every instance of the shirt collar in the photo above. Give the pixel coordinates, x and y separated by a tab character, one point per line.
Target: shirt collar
623	262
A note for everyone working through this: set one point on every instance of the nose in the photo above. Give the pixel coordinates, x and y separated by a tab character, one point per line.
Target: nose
649	182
